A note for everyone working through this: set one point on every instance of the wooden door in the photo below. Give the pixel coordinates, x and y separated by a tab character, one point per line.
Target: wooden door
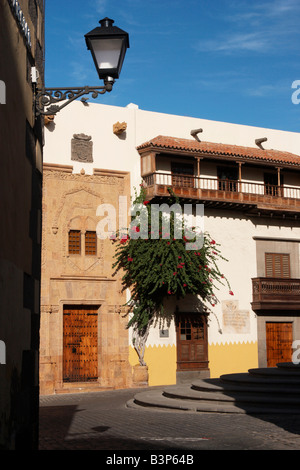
279	338
80	351
192	351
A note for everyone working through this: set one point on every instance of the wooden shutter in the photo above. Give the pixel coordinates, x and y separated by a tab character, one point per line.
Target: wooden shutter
90	243
277	265
74	242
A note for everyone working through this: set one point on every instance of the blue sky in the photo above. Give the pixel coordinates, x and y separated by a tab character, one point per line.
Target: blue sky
223	60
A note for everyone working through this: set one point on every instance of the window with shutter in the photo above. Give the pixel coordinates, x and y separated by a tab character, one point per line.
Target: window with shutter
74	242
277	265
90	243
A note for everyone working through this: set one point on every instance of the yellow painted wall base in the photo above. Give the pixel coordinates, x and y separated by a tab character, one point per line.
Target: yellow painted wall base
161	362
223	359
232	358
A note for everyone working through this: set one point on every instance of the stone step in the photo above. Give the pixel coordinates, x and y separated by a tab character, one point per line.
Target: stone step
241	396
295	367
271	390
242	385
277	372
260	378
156	399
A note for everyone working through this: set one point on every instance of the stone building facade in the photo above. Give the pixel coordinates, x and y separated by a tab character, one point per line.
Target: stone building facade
83	329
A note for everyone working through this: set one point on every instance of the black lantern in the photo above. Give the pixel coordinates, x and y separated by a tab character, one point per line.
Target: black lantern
108	45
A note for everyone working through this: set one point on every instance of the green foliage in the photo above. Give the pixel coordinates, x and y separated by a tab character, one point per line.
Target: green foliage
155	269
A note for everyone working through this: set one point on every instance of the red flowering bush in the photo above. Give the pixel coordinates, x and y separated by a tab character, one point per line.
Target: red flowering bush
154	269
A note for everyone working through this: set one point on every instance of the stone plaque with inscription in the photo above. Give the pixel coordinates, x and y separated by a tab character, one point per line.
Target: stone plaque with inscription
82	148
234	319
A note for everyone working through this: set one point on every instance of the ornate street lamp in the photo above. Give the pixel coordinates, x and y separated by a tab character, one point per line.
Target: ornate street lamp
108	45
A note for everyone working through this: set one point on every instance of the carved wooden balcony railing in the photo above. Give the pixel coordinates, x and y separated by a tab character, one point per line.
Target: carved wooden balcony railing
275	293
214	190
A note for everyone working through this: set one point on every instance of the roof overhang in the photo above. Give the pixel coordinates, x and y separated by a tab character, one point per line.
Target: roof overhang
192	148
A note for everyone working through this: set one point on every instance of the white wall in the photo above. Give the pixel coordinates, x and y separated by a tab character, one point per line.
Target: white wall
119	153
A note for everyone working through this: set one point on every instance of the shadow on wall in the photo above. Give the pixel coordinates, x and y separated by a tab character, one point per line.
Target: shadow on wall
19	246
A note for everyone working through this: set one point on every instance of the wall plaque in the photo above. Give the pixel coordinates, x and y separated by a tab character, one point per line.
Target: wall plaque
82	148
235	320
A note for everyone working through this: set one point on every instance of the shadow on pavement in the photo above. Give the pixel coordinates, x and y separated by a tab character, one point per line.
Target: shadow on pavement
54	434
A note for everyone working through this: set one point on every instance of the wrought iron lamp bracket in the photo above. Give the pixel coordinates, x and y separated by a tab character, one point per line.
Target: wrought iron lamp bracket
48	97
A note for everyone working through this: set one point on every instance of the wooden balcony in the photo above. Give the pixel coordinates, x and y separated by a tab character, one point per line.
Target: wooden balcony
275	294
216	193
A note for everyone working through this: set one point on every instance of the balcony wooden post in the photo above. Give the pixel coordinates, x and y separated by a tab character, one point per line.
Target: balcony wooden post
153	162
278	181
240	176
198	172
198	166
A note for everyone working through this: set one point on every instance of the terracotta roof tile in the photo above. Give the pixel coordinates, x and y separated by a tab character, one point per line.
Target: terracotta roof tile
194	147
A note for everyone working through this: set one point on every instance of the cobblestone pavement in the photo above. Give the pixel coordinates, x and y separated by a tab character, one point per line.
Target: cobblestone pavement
102	421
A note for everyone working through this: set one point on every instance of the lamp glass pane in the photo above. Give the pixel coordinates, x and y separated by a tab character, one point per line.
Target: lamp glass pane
107	52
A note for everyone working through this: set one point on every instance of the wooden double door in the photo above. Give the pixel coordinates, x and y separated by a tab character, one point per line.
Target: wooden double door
192	348
279	339
80	343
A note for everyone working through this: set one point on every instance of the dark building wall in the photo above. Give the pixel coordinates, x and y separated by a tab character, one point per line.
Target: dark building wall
21	144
